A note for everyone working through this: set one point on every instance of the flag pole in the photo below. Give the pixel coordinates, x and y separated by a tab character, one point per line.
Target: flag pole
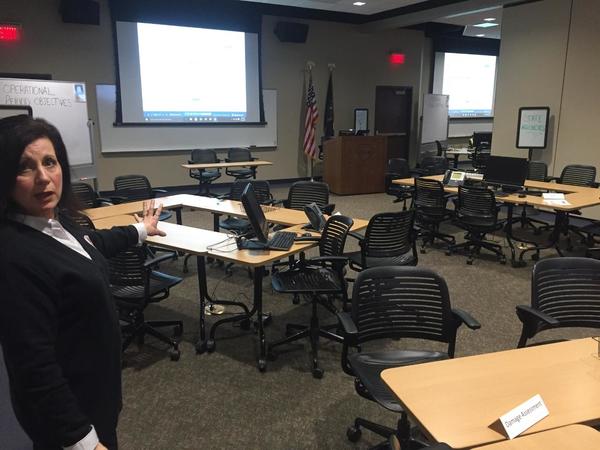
309	67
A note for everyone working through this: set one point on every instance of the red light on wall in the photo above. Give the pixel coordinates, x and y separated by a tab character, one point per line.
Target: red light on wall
10	32
397	58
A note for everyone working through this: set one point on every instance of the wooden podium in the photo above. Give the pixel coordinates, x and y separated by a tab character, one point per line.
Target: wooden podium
355	164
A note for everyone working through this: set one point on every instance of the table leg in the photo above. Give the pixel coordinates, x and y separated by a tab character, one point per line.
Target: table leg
456	160
204	296
262	355
509	238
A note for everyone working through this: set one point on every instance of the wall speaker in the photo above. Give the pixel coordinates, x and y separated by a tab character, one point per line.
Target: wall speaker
291	32
80	11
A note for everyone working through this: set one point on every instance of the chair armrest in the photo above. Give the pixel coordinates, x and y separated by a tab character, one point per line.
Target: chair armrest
158	259
595	184
278	202
159	191
549	179
527	313
333	259
419	172
328	208
116	199
254	158
348	325
466	318
356	235
227	160
102	201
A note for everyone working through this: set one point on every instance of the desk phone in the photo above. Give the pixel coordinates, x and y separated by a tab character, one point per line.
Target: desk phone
454	178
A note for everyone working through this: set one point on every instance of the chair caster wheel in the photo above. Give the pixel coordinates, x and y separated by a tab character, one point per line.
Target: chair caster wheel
470	262
210	345
174	355
177	330
353	434
200	347
262	365
448	253
503	261
423	251
245	324
317	373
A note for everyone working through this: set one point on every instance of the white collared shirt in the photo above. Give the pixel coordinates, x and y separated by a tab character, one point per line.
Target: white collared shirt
55	230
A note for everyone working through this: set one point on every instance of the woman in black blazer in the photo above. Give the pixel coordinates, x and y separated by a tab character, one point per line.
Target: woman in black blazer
59	329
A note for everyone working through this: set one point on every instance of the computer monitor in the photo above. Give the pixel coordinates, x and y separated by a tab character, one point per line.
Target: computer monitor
482	137
507	172
255	214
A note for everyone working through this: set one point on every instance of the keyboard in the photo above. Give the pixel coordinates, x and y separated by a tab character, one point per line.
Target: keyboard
281	240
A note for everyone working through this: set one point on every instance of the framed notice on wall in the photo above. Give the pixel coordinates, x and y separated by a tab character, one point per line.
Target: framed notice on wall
532	127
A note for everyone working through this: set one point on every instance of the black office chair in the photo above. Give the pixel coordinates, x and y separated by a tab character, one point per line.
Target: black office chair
388	241
431	165
395	303
565	292
134	285
321	279
430	204
137	187
240	155
397	168
441	148
477	214
302	193
574	175
88	197
204	176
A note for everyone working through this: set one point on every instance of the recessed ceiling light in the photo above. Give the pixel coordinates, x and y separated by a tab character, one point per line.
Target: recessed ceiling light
489	19
480	35
359	3
486	25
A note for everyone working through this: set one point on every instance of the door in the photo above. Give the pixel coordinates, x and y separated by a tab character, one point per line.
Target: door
393	106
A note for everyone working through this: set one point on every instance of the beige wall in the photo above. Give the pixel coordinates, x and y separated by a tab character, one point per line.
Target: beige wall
84	52
530	71
549	56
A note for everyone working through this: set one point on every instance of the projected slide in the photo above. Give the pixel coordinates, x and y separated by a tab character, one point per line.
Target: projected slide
469	81
205	69
187	75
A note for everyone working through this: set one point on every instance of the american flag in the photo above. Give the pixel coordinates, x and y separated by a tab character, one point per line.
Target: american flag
310	122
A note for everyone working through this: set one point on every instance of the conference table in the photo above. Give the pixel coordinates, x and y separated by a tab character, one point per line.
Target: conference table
227	165
459	401
204	243
456	153
577	197
575	437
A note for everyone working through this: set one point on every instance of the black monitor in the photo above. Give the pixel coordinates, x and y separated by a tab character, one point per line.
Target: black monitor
507	172
482	137
255	214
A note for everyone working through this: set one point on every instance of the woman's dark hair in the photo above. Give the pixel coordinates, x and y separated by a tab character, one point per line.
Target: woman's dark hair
16	133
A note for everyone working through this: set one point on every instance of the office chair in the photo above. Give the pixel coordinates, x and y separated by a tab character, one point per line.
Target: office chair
321	279
134	285
240	155
204	176
431	165
575	175
441	148
302	193
137	187
88	197
397	168
388	241
430	202
395	303
262	190
564	293
477	214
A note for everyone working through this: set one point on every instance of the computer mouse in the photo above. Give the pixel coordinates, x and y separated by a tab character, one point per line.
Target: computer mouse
306	235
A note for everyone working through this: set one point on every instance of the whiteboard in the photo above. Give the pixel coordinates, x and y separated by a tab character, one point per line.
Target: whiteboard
64	105
532	127
435	118
143	138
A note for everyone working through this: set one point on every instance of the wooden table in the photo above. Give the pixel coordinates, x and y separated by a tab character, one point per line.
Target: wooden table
579	197
456	153
228	165
572	437
459	401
